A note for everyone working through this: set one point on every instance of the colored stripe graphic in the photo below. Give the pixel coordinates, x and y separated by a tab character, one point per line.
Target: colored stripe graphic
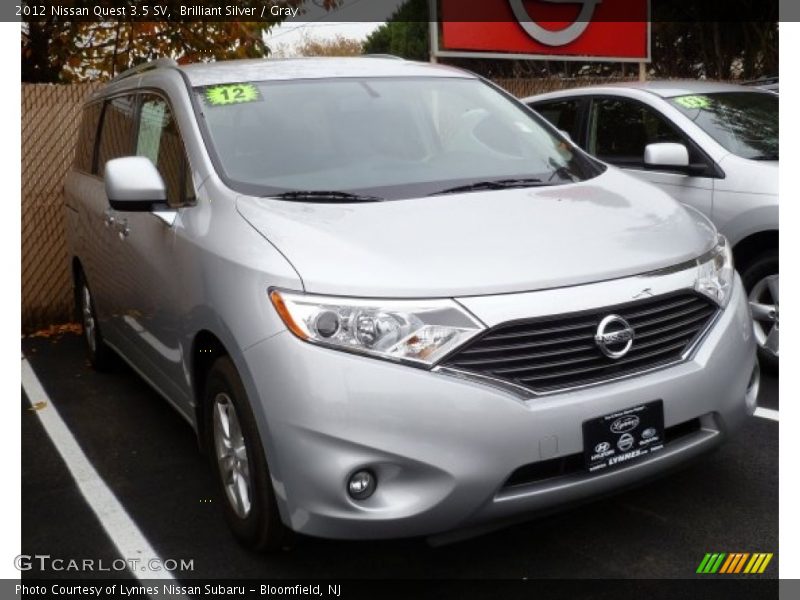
703	563
758	563
711	563
740	564
727	564
734	562
716	565
764	564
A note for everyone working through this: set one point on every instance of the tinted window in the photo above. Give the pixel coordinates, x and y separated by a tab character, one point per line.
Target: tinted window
742	122
116	133
84	148
619	130
158	139
563	114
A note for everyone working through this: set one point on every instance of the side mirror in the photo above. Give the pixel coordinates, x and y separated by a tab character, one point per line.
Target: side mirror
134	184
670	157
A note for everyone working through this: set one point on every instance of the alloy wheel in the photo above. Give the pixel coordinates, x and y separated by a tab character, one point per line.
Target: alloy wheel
234	466
764	305
89	325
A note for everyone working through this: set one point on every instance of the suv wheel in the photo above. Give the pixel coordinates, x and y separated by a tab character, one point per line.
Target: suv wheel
238	462
97	352
760	278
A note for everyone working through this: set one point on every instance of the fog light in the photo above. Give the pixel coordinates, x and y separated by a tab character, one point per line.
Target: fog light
362	485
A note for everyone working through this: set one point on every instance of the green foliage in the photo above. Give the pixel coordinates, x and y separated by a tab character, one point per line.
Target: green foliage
59	51
405	33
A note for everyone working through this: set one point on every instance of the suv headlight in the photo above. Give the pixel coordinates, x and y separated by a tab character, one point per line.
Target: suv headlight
715	274
415	331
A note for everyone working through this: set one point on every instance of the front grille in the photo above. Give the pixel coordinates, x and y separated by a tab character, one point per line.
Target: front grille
557	352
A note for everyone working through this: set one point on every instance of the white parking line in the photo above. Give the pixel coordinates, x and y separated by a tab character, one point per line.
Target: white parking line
121	529
766	413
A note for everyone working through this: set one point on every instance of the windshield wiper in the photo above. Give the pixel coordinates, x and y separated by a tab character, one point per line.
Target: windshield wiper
325	196
766	157
497	184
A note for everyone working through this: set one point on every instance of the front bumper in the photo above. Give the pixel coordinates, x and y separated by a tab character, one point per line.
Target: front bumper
443	447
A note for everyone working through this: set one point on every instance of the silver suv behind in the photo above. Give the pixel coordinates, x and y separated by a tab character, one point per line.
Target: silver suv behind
392	300
711	145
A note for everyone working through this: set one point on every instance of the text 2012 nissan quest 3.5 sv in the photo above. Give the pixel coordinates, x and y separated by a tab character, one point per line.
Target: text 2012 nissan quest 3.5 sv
392	300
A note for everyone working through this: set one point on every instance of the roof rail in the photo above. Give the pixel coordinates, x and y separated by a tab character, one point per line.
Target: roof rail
153	64
392	56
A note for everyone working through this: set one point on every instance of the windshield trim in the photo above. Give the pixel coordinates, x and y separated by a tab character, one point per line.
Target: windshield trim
593	166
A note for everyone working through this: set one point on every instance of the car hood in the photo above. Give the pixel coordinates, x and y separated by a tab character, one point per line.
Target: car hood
482	242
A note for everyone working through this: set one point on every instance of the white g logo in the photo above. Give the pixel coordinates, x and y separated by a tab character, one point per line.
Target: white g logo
555	38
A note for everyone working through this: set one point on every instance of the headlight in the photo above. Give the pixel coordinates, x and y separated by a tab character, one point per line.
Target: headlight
715	274
416	331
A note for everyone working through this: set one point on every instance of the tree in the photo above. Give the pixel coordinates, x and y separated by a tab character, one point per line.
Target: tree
54	50
338	46
404	34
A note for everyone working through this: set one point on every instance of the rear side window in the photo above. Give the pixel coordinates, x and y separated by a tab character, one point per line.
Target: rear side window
116	132
160	140
84	148
563	114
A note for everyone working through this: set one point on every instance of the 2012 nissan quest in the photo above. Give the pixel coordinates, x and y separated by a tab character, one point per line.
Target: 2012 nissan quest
392	300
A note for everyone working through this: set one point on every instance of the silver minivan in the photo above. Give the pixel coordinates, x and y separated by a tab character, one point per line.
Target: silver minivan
392	300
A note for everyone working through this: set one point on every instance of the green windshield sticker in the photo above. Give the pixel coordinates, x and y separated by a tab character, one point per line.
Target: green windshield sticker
232	93
694	101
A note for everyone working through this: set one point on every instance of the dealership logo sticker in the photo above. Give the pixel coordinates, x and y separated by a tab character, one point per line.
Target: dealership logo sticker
624	424
602	448
733	563
560	37
625	442
648	433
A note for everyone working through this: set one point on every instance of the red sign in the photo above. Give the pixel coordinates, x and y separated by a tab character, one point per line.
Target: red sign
615	30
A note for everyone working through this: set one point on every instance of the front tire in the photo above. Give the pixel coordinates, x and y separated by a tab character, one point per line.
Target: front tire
760	279
238	462
98	353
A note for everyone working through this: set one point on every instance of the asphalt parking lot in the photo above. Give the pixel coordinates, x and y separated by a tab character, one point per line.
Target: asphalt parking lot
147	455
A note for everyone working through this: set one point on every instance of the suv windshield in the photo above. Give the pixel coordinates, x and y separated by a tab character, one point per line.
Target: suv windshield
744	123
380	138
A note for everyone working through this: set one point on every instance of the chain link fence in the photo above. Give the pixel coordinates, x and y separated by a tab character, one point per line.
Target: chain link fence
524	87
50	117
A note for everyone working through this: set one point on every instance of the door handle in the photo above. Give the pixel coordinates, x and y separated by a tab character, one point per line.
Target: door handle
123	229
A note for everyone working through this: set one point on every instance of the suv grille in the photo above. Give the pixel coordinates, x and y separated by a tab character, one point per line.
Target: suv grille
557	352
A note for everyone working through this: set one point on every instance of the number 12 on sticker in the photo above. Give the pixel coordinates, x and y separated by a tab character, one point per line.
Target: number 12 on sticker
234	93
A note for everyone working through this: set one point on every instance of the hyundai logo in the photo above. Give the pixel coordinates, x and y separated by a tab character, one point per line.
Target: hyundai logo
624	424
561	37
614	336
602	448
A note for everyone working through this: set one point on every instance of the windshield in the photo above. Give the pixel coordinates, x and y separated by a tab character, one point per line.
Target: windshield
744	123
386	138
